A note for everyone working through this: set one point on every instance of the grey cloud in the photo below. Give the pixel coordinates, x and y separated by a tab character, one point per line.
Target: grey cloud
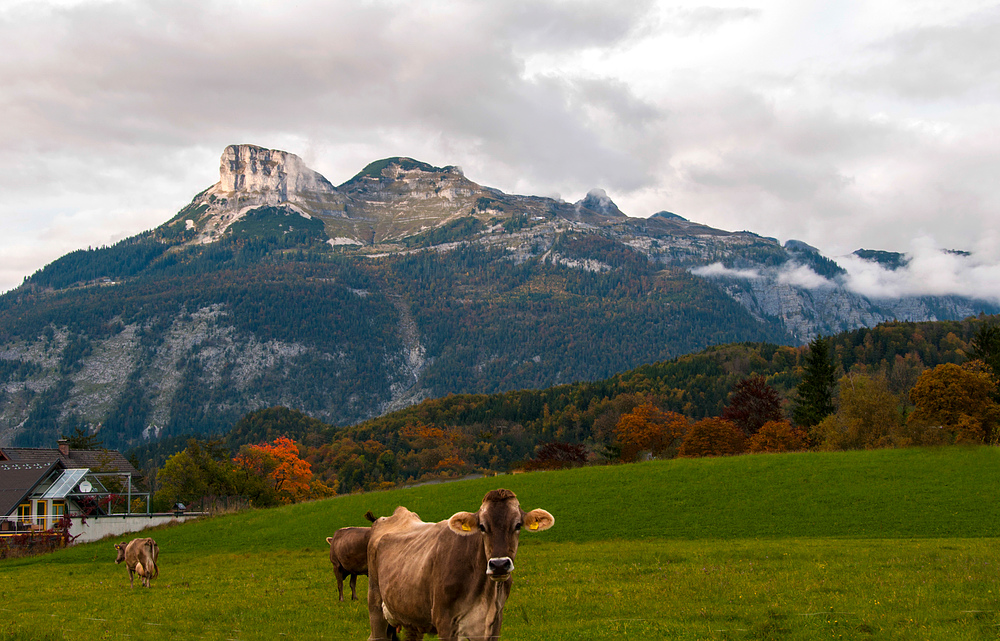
743	160
112	104
791	273
930	271
126	105
704	20
718	270
115	75
535	26
937	62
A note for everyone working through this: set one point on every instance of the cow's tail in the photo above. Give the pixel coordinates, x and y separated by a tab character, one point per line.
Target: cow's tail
370	516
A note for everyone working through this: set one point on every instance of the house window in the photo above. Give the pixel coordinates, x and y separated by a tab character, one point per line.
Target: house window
41	509
24	513
58	510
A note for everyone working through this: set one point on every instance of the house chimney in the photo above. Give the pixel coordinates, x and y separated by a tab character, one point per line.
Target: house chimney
64	447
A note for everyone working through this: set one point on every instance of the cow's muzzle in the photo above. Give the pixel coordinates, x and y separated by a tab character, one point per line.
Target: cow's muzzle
499	569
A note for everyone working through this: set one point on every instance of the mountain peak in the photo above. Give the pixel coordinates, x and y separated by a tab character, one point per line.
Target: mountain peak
252	177
597	200
668	215
793	245
393	168
251	169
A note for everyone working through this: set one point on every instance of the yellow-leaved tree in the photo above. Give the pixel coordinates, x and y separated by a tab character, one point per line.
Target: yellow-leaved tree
958	401
867	417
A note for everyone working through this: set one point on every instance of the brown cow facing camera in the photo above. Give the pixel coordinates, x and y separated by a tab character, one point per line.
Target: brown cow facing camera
450	578
349	555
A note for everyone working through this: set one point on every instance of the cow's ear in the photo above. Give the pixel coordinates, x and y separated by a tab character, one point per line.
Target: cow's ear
538	520
464	523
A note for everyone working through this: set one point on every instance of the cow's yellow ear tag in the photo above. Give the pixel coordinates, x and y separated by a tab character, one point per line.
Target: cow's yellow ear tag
466	528
533	526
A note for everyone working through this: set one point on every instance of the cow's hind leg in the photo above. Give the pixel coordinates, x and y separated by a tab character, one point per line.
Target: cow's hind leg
354	583
338	572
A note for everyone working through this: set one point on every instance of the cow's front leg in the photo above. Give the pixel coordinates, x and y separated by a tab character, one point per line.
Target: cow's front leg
447	628
380	628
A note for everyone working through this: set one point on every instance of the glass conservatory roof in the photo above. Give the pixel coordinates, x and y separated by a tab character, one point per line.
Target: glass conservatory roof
65	483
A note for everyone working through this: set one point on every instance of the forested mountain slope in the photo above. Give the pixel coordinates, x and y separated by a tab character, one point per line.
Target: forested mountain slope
463	433
406	282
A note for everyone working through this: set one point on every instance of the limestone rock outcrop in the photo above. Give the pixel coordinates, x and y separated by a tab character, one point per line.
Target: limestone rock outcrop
272	174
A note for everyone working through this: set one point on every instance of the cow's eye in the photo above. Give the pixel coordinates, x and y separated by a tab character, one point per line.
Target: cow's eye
482	528
517	527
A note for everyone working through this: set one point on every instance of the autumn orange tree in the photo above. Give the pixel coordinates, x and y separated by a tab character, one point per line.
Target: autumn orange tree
778	436
713	437
648	428
959	400
279	462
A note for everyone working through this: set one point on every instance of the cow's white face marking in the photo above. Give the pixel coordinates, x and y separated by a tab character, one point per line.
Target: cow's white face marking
500	568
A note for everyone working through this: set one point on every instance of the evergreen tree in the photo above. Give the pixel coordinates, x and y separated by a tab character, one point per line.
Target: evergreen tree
985	346
814	395
81	438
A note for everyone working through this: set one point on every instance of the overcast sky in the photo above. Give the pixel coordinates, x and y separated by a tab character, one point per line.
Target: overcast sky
843	124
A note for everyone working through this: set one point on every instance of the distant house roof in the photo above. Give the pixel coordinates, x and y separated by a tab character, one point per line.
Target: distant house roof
18	479
96	460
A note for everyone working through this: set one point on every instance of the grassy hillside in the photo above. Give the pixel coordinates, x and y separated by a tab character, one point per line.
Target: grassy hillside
882	544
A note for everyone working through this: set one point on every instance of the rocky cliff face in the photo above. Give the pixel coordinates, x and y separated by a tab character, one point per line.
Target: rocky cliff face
274	176
251	177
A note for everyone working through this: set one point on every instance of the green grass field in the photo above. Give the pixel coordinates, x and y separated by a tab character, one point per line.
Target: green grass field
892	544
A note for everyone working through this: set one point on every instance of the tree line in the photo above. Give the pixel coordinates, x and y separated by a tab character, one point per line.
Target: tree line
750	398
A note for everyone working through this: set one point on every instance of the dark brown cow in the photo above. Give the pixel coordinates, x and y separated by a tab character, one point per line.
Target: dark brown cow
349	555
450	578
140	557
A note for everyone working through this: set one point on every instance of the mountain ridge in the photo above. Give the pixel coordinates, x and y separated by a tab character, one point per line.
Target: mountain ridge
405	282
387	200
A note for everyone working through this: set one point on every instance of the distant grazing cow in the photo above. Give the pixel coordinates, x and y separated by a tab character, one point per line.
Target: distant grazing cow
349	555
140	556
450	578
